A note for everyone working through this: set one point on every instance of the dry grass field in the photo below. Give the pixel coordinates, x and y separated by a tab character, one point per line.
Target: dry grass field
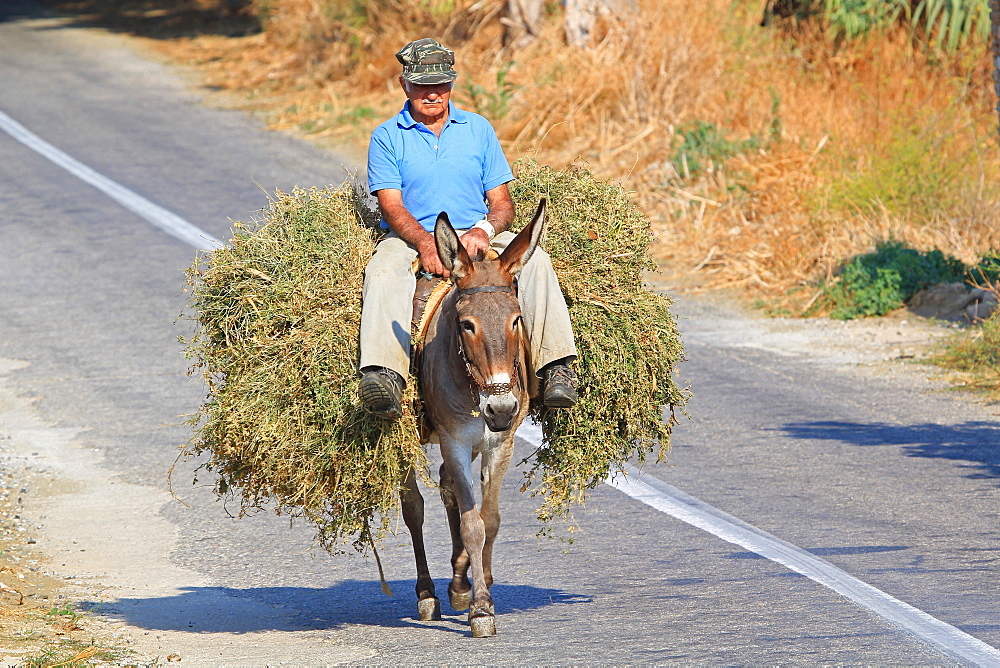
765	155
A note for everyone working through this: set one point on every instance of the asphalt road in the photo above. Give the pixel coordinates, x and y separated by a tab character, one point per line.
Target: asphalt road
879	475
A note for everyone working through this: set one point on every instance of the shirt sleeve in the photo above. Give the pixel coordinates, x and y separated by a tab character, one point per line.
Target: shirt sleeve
383	170
496	171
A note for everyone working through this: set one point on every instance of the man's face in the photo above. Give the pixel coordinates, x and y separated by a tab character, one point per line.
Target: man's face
430	100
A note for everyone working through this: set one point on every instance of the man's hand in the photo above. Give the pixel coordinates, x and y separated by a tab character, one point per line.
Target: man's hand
409	230
429	259
475	241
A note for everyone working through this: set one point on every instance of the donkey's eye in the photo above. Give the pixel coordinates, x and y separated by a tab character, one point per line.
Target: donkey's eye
468	326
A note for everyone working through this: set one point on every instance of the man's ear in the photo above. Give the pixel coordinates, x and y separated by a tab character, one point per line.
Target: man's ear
453	255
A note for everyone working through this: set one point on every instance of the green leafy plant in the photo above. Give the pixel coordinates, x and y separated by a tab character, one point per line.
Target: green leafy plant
913	172
951	23
946	23
496	104
987	269
852	19
702	144
876	283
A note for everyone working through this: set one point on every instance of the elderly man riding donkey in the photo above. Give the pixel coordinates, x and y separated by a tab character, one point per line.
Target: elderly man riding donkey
500	335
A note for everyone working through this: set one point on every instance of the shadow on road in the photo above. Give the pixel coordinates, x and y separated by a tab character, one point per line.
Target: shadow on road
976	443
156	19
13	10
352	602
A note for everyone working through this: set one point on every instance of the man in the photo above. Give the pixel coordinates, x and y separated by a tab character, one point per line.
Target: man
429	158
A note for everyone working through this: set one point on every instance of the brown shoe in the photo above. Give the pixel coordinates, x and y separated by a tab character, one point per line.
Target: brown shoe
381	392
560	386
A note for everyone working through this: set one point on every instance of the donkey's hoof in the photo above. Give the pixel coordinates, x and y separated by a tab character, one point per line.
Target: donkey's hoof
459	600
484	626
429	609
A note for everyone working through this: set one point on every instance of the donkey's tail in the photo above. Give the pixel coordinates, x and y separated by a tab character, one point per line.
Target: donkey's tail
386	589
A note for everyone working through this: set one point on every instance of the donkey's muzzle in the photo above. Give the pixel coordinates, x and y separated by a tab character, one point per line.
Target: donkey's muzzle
500	412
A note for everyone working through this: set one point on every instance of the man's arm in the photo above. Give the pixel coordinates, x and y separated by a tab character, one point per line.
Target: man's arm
501	213
500	216
402	222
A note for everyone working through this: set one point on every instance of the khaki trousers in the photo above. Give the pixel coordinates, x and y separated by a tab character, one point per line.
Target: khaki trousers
388	305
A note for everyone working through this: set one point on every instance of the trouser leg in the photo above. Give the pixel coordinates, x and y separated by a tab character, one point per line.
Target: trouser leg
546	316
388	306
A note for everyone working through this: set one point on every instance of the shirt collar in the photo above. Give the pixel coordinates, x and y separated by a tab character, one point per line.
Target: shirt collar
455	115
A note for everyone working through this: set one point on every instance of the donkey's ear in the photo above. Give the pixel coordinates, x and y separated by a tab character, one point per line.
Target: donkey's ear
519	251
451	251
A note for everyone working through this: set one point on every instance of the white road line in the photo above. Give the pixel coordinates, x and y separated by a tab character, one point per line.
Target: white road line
672	501
649	490
169	222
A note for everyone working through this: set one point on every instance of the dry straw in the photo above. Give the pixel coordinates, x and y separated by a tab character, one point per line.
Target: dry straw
278	313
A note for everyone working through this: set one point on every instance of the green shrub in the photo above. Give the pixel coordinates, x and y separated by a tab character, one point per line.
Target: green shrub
913	171
987	269
851	19
702	144
948	24
878	282
975	355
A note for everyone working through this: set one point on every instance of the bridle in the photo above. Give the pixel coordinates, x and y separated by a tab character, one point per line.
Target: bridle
493	389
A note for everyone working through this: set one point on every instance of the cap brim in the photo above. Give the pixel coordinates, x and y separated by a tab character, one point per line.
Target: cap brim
430	78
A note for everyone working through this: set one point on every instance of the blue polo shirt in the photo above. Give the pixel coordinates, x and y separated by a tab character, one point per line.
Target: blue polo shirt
449	173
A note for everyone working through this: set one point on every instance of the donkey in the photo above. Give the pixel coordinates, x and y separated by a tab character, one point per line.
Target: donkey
475	392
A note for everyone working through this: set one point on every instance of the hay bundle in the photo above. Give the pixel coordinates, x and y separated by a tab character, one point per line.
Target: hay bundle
278	315
625	335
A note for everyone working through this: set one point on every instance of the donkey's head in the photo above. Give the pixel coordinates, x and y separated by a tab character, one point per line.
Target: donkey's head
489	329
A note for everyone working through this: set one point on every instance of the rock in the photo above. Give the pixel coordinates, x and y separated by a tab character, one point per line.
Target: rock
946	301
982	306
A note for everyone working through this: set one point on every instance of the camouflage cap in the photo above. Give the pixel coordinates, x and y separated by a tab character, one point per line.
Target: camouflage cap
426	61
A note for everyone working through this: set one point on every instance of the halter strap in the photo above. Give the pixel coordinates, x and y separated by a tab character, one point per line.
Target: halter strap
486	288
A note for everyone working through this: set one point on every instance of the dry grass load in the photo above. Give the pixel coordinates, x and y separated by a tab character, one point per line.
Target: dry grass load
278	313
625	335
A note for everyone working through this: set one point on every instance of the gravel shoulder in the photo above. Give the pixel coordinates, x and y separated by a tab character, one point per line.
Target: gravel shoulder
899	336
897	346
41	594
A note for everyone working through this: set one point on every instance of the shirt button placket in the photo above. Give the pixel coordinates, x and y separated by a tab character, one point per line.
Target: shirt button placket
437	144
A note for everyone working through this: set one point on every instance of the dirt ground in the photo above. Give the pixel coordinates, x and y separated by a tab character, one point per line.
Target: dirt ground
40	620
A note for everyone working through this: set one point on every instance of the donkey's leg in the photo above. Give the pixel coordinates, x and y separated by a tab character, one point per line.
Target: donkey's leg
495	463
459	589
458	459
428	605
